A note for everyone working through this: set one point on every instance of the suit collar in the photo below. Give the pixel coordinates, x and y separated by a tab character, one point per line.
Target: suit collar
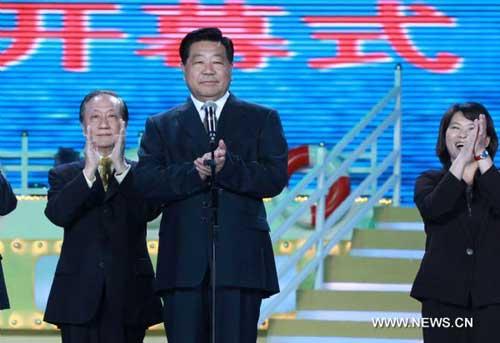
112	189
228	126
113	185
189	121
98	186
480	209
219	102
231	121
232	116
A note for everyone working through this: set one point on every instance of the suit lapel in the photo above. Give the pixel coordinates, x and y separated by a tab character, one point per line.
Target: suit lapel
484	220
467	230
113	185
475	234
98	181
99	186
462	218
112	188
190	122
229	124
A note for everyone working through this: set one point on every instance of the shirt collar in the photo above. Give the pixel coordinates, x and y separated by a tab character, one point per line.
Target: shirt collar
220	104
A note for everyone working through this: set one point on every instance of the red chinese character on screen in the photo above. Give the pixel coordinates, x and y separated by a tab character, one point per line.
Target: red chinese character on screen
75	32
391	22
247	26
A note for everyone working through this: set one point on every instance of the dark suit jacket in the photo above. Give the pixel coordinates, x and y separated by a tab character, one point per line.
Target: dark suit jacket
104	248
255	167
8	202
461	258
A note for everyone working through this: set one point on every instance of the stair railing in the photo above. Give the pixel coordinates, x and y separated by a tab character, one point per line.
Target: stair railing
45	161
328	232
24	167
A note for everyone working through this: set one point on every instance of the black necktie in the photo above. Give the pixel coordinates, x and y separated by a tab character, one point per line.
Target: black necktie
205	120
206	114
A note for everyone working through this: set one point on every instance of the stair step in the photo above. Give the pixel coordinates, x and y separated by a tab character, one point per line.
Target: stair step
353	316
371	282
400	226
371	270
326	328
396	214
367	286
388	253
287	339
388	239
356	301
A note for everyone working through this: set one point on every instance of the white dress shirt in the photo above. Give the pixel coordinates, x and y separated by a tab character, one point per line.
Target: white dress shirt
119	177
219	102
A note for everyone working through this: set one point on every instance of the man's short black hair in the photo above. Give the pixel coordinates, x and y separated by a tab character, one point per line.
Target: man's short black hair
471	111
93	94
211	34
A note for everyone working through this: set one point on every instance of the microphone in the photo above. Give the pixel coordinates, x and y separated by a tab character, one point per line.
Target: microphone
210	108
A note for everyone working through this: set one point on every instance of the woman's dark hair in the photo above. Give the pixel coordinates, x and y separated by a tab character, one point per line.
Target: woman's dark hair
211	34
471	111
93	94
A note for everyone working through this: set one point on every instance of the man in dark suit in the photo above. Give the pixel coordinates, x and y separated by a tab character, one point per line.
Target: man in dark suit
8	203
103	285
251	164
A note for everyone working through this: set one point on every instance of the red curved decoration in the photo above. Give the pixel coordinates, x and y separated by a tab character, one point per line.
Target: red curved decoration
298	158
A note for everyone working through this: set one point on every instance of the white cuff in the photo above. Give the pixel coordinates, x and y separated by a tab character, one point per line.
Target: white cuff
120	177
90	183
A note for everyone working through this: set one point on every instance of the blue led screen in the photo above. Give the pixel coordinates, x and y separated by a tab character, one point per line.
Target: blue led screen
321	64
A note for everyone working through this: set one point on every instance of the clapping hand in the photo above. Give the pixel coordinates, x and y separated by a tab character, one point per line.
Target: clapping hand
91	154
482	140
220	157
118	153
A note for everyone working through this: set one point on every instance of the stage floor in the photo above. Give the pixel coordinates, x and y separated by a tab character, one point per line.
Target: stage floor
57	339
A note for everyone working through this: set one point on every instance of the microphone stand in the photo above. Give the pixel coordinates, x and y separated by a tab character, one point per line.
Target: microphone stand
214	220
